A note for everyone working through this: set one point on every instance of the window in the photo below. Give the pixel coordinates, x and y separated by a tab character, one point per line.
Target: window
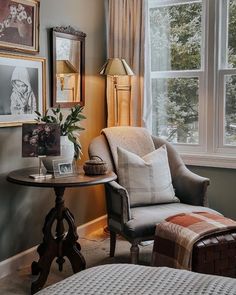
227	74
192	57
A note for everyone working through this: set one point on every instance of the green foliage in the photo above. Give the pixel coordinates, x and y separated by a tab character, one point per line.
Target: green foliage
230	110
232	35
176	45
230	86
69	125
176	108
175	35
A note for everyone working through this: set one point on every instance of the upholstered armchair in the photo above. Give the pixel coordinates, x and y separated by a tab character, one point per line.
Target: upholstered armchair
137	223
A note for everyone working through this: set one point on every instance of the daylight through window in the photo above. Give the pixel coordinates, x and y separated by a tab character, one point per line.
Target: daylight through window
192	50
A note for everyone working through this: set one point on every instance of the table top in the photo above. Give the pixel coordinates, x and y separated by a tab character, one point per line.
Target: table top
21	176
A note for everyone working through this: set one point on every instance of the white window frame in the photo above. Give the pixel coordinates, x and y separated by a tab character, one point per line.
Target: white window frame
223	71
211	150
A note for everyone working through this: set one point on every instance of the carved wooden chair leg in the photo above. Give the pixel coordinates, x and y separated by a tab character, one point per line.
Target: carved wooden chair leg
112	243
134	251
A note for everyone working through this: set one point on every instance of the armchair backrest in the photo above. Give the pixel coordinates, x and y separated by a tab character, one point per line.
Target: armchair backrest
100	147
175	161
189	187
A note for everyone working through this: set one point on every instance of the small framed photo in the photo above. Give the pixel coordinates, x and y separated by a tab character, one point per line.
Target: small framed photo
63	168
22	84
19	25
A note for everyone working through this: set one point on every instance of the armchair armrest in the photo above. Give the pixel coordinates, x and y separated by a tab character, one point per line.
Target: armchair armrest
190	188
118	204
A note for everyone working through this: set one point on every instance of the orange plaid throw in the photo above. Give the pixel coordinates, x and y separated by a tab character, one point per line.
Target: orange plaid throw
176	236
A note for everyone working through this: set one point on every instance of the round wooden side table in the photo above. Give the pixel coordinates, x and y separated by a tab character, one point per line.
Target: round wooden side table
62	243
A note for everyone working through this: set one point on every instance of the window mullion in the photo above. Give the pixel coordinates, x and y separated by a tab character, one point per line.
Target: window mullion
211	53
159	3
176	74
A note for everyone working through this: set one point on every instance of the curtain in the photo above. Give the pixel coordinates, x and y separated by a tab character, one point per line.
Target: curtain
125	39
147	96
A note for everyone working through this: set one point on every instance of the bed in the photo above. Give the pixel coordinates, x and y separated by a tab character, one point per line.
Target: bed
127	279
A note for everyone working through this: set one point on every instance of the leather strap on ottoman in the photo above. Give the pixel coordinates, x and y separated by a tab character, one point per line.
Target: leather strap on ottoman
216	255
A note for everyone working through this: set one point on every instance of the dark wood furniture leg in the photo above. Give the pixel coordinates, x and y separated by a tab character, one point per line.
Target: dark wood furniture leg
60	245
112	243
134	250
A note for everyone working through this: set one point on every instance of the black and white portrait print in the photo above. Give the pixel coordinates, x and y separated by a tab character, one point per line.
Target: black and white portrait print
19	90
65	168
22	88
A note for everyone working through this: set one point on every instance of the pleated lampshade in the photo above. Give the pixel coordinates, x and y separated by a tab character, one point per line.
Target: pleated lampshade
116	67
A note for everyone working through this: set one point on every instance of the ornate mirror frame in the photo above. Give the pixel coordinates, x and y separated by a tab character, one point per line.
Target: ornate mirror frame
78	92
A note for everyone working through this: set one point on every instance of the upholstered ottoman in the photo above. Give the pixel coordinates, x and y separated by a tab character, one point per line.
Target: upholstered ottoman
198	241
216	254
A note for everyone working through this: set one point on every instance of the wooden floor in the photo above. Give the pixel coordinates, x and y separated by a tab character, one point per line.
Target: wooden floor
95	249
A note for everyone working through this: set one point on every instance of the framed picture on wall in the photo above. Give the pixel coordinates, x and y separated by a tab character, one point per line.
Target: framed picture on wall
19	25
22	88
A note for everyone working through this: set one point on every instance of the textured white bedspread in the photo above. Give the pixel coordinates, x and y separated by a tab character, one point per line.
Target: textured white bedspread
127	279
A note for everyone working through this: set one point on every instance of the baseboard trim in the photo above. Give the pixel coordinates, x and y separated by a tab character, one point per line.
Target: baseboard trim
18	261
89	227
25	258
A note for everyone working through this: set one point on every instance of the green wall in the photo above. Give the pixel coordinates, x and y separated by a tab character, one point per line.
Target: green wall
22	209
222	190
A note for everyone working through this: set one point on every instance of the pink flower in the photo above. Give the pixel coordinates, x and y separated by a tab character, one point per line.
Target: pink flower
29	20
20	7
21	16
13	10
26	137
6	23
1	27
33	140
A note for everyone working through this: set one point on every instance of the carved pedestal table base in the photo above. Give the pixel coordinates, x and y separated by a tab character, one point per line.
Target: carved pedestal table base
62	243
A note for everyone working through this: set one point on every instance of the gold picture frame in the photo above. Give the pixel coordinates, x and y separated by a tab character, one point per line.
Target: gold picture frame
19	25
23	88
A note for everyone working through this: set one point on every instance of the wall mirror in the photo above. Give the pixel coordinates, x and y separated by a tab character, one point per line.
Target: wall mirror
68	66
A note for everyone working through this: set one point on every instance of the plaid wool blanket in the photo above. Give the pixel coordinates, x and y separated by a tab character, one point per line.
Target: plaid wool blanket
175	237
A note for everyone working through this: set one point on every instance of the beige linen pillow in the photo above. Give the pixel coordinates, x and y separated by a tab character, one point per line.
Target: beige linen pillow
147	179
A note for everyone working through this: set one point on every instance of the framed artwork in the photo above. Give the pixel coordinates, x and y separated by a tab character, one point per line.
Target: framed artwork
23	87
19	25
41	139
63	168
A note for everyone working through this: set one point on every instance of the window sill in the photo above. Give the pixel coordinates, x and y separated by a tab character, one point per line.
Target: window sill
209	160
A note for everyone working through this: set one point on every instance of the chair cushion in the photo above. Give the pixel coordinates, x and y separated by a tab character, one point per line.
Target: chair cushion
147	179
144	219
